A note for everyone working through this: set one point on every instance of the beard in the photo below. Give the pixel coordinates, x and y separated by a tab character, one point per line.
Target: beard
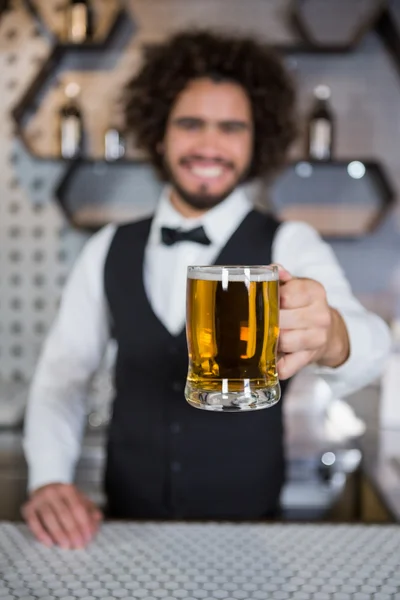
203	199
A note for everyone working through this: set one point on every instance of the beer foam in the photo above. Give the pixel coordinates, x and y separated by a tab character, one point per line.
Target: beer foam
241	274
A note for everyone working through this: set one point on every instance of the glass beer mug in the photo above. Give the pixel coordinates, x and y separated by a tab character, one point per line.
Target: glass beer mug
232	329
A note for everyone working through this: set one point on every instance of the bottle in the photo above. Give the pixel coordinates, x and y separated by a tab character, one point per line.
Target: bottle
71	124
320	130
79	17
114	143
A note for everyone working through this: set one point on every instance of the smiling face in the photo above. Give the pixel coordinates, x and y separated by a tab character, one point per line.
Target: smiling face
208	142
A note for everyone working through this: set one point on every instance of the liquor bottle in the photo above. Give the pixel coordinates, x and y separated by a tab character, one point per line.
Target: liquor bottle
71	123
320	129
114	143
79	21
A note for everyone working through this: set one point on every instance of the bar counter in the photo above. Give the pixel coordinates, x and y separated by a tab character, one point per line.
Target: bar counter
190	561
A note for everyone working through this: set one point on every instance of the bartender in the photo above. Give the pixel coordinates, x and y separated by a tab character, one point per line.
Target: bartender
212	112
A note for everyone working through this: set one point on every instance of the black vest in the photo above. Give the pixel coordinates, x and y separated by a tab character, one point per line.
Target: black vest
166	459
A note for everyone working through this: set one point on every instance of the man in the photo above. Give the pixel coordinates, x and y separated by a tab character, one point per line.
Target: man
212	113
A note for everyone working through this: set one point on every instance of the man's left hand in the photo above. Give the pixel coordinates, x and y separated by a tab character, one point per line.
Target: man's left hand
310	330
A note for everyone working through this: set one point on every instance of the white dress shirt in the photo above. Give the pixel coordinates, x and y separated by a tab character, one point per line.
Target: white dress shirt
74	349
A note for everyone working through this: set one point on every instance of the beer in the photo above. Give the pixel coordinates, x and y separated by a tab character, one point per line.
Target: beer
232	331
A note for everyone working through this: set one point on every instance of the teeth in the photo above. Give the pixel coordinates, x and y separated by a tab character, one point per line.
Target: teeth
209	172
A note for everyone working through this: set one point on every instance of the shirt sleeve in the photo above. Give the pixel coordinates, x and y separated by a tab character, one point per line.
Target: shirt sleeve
300	250
56	408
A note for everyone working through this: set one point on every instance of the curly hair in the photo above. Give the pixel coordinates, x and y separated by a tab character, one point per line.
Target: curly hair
169	67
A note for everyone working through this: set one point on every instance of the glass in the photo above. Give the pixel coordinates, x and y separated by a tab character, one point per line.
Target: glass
232	329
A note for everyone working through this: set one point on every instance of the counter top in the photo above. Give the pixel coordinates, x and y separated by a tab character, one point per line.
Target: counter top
209	561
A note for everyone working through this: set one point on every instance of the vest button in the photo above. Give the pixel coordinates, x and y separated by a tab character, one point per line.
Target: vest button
175	428
176	466
177	386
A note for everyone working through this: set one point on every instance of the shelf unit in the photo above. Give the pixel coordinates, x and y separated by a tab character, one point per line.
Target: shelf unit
46	75
310	17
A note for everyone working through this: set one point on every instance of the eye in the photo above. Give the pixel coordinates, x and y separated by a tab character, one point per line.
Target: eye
233	127
189	124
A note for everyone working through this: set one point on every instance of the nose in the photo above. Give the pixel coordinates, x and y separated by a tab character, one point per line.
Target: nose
210	141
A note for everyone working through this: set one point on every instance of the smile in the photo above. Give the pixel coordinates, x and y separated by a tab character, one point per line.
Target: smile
207	172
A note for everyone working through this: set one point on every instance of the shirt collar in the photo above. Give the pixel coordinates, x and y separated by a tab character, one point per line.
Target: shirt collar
219	222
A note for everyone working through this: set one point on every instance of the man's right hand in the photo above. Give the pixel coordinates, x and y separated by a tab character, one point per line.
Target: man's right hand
60	514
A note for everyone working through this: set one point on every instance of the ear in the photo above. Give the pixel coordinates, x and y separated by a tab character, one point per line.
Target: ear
160	147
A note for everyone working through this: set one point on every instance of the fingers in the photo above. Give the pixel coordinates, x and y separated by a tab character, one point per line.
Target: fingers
67	517
284	275
311	317
36	526
295	318
297	293
51	520
304	321
295	340
290	364
60	514
85	524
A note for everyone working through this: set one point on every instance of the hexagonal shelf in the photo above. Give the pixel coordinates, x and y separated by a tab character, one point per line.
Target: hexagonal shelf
35	112
336	24
94	193
341	199
52	16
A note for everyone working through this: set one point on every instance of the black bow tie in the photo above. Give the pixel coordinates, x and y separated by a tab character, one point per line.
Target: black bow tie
172	236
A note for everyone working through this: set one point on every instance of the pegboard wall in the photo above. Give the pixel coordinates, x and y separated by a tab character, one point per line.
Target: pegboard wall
34	260
38	245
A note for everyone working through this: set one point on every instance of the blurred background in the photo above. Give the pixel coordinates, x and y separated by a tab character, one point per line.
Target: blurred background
68	168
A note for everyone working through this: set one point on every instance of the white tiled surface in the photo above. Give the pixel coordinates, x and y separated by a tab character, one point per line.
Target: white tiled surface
207	561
